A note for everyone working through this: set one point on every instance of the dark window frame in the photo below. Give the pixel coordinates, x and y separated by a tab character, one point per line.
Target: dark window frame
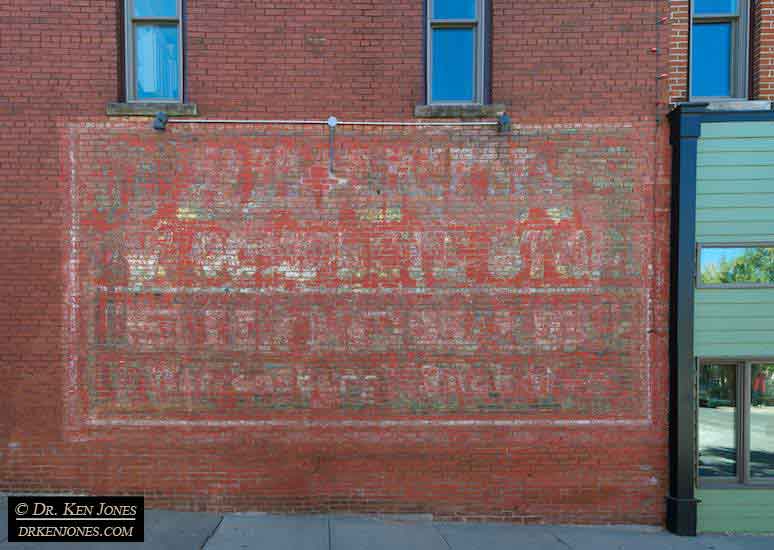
740	244
129	72
740	50
742	480
482	72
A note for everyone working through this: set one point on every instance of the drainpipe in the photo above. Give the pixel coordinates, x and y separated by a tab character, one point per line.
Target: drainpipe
681	502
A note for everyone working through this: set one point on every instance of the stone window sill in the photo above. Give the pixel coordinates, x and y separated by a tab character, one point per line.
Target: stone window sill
151	108
492	110
731	104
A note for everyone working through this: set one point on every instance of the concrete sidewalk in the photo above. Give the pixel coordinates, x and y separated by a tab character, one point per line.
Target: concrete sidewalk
195	531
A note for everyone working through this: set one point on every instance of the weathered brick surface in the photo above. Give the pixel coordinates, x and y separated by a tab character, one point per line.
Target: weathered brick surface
762	49
229	273
679	25
456	322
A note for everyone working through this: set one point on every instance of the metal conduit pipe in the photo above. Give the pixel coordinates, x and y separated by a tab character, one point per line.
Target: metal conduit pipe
503	124
240	121
338	123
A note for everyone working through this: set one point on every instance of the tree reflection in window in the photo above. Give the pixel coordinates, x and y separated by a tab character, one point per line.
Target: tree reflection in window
738	265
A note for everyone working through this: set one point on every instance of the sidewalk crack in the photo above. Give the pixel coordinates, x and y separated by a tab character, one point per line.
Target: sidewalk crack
440	534
561	541
212	534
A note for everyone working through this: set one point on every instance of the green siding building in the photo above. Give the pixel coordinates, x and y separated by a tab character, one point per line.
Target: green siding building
723	321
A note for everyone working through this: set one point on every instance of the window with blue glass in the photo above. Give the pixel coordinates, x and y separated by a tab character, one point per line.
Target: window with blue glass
455	51
718	62
154	50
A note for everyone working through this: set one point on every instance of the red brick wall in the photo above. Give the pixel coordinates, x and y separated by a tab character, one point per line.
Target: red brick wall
762	49
679	25
296	60
458	321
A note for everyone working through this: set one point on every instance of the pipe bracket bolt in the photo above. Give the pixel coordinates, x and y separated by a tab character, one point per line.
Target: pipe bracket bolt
160	122
504	123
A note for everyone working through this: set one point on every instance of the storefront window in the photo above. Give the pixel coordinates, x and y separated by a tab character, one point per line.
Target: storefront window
762	421
735	420
717	420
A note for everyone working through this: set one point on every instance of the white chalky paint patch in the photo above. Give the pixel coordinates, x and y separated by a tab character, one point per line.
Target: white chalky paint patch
292	271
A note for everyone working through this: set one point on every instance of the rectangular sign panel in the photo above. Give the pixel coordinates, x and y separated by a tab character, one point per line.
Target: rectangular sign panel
230	274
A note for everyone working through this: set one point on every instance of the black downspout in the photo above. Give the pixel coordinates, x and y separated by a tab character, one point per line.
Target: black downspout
681	502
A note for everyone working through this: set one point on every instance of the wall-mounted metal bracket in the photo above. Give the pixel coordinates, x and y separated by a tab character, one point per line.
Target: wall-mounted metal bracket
504	123
160	122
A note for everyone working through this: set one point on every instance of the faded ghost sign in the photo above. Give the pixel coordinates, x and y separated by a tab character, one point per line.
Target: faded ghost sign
453	273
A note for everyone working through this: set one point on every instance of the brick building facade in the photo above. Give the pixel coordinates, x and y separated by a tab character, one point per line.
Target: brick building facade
465	320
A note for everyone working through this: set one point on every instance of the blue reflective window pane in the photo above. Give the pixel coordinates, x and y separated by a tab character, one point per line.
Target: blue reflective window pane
717	421
714	6
453	61
157	61
762	421
711	60
454	9
155	8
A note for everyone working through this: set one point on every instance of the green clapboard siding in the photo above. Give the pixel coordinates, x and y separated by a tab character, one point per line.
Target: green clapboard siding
739	215
747	144
730	172
742	158
735	204
734	322
740	511
735	182
720	203
728	130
